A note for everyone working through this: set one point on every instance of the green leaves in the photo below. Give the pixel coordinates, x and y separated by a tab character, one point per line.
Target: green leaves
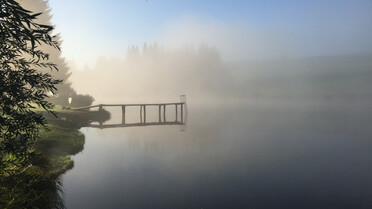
20	83
22	184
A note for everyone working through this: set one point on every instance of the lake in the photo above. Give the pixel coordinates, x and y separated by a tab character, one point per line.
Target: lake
260	154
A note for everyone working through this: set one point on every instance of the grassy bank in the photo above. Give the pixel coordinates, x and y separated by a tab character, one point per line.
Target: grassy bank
33	181
61	138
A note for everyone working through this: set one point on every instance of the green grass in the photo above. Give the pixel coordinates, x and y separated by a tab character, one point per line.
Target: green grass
57	144
34	180
61	138
73	118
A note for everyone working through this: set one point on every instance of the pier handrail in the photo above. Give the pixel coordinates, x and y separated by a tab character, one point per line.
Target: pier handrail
85	107
180	110
119	105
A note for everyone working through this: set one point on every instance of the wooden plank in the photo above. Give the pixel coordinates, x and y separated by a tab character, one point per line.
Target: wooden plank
153	104
84	108
117	105
132	125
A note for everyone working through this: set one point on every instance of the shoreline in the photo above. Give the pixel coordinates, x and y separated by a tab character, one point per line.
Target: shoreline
61	138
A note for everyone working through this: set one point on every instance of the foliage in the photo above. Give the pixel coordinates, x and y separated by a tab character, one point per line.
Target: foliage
80	100
64	89
55	56
20	82
25	178
30	166
35	183
31	185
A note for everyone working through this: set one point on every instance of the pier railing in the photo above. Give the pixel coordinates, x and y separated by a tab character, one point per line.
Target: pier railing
180	114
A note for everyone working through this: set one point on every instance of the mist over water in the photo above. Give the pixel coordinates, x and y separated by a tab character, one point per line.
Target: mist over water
278	94
282	133
262	155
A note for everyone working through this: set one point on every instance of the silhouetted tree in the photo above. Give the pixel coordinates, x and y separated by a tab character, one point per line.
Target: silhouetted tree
25	181
64	89
79	100
145	50
21	84
133	53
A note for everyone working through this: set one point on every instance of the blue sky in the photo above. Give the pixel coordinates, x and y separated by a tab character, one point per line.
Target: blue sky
250	29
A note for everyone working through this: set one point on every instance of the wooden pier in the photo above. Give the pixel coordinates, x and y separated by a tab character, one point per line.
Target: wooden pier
180	114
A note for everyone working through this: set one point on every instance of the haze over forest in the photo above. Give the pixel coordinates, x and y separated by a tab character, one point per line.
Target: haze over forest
202	74
321	53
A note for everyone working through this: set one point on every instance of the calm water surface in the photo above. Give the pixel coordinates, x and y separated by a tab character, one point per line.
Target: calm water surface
260	155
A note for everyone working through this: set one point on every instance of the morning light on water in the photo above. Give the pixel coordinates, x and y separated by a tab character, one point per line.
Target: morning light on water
161	104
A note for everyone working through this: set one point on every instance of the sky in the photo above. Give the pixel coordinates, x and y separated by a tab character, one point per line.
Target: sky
239	29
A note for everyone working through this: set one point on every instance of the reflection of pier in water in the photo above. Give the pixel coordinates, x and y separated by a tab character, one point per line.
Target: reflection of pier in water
179	119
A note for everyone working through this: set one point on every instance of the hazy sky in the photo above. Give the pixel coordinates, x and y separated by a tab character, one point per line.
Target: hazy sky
240	29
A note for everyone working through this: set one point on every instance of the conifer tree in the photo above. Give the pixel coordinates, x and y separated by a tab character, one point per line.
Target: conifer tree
64	89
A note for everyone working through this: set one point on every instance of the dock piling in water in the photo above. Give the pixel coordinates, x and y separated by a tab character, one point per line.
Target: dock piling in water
144	113
123	114
159	113
182	113
176	105
164	107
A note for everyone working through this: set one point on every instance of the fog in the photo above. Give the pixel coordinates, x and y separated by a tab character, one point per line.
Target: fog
277	113
152	73
277	53
209	60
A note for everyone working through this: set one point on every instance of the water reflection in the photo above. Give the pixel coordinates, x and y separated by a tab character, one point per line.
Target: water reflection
258	156
163	117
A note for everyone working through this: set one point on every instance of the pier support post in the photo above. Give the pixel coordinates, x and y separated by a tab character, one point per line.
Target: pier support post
165	120
144	113
159	113
141	113
176	112
181	113
123	114
100	107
